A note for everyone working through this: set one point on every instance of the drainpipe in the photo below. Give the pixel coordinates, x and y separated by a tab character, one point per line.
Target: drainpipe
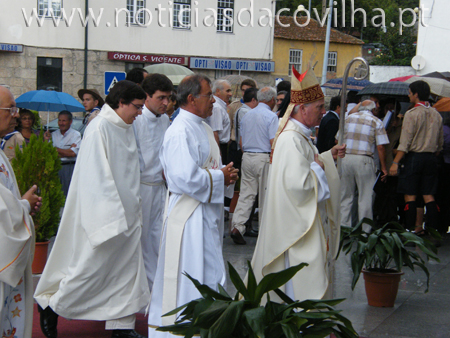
86	10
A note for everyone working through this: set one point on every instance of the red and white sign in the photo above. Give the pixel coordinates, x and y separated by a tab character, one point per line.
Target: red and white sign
133	57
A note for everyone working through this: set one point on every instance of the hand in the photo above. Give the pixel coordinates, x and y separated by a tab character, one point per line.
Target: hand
393	170
73	145
319	162
47	135
338	150
34	200
385	174
230	174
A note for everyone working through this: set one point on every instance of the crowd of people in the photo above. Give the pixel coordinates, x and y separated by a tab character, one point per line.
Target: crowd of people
148	182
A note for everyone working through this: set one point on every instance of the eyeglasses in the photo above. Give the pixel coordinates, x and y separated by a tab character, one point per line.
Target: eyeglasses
205	95
137	107
12	110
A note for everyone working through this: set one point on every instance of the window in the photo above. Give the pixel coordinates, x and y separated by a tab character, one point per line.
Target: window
295	59
49	74
225	16
183	20
130	65
45	7
332	62
134	7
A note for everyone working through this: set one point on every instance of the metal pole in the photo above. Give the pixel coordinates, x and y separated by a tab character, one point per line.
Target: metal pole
327	45
309	7
86	9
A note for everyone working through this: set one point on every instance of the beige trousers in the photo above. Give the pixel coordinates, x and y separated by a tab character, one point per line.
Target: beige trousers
254	172
358	174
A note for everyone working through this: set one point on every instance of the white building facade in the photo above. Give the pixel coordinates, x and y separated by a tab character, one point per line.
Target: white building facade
46	44
432	43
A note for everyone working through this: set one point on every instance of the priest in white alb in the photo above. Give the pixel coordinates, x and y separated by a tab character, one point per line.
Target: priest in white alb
193	232
96	270
300	221
149	129
16	238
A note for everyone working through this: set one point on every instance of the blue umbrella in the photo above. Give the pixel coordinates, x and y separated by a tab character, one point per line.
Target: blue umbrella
46	100
352	84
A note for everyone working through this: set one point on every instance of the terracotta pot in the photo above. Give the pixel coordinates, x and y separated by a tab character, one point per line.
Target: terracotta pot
381	287
234	201
40	257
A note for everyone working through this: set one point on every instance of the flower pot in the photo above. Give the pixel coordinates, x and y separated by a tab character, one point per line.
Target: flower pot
40	257
381	287
234	201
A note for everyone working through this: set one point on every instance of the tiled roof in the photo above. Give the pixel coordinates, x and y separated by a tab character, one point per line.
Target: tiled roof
311	32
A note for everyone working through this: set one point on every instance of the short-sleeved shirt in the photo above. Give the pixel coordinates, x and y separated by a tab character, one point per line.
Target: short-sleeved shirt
257	128
422	131
363	132
65	142
219	120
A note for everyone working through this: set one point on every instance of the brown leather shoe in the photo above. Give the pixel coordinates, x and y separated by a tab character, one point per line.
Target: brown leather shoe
237	237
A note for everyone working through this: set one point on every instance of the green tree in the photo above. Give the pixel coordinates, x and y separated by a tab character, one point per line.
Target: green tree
39	164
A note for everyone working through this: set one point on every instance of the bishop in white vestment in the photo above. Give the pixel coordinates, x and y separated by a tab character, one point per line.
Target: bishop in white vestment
300	222
193	232
96	270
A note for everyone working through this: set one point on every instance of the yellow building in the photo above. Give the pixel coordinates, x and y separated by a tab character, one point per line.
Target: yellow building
303	47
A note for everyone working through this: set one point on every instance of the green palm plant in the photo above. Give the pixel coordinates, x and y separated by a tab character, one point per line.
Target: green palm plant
384	249
218	315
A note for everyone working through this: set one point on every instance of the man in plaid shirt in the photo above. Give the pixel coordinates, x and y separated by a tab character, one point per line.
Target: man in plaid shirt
363	131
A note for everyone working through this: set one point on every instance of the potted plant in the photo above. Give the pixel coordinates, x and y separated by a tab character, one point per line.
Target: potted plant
218	315
381	255
39	164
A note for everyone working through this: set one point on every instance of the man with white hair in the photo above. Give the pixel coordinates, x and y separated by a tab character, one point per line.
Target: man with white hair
363	131
219	121
257	131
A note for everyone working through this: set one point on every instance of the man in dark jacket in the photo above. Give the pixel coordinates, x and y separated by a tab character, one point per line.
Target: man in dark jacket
329	126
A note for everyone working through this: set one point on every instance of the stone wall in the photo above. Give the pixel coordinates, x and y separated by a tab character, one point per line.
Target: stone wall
19	70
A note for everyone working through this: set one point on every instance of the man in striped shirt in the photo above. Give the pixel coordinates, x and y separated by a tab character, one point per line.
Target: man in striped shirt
363	133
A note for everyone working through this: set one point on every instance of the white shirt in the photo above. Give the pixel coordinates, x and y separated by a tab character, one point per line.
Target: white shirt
65	141
257	128
220	121
149	131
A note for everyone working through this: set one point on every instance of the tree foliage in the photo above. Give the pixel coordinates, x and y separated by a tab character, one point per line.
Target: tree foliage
39	164
371	28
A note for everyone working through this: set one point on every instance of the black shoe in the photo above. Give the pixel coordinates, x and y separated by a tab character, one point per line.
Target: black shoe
251	233
237	237
49	322
126	334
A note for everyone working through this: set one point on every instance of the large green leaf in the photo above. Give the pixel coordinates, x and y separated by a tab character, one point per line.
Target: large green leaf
372	241
226	323
387	246
255	319
206	315
291	331
424	268
284	297
275	280
251	282
205	290
237	281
